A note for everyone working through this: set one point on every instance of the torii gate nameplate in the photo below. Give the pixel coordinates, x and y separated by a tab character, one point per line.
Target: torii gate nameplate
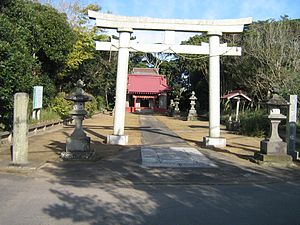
214	28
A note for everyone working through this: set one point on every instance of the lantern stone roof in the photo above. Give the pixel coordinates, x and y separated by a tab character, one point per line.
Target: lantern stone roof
234	94
146	81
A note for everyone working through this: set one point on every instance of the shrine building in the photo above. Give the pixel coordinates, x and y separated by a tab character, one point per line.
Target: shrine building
146	91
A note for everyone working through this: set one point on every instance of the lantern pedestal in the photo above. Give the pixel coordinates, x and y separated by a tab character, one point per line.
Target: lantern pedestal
77	149
273	149
78	144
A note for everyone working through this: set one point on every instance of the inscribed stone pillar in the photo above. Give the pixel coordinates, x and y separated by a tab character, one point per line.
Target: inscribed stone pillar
292	126
20	129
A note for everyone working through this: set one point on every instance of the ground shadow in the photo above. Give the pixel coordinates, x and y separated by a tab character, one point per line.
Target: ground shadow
247	148
95	134
57	147
203	127
164	205
119	190
247	157
176	138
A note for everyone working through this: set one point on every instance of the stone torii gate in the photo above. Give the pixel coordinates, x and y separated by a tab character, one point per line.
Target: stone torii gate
126	25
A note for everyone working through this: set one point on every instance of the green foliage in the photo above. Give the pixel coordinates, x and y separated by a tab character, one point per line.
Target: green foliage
56	37
195	69
48	36
61	106
35	40
270	59
84	48
15	66
91	106
100	75
101	103
254	123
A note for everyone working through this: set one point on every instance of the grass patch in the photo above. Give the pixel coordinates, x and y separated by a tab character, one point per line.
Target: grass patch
46	115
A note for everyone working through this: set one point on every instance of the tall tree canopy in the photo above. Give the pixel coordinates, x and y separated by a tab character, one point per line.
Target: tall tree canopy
35	40
270	59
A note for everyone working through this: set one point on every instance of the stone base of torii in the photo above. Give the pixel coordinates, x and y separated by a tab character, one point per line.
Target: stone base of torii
126	25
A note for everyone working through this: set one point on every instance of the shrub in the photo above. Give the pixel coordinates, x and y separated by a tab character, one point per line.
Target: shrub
60	105
101	103
91	106
254	123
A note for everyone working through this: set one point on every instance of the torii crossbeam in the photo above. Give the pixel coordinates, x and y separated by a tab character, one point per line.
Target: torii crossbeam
126	25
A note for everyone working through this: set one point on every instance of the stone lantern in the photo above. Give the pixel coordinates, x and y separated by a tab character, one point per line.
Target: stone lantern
176	112
171	108
78	144
273	149
192	112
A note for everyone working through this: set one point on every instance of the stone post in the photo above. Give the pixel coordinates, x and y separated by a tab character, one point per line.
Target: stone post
292	127
20	129
176	112
214	138
118	136
192	112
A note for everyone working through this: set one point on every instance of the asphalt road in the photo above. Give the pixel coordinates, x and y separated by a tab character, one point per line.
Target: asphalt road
36	201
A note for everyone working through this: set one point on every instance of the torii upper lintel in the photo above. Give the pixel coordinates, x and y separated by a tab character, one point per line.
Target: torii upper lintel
106	20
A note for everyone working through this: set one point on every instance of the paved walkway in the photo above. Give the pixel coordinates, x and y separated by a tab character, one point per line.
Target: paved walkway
163	148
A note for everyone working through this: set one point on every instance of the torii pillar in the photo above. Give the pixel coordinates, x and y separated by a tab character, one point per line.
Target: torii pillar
118	136
214	138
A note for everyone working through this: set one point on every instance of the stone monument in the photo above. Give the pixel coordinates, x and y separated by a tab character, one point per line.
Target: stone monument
78	144
192	112
273	149
291	127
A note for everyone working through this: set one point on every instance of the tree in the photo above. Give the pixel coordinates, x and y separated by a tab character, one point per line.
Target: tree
195	69
15	66
270	59
97	69
35	40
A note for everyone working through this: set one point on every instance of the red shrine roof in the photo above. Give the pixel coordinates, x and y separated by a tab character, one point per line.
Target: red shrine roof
235	93
146	81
